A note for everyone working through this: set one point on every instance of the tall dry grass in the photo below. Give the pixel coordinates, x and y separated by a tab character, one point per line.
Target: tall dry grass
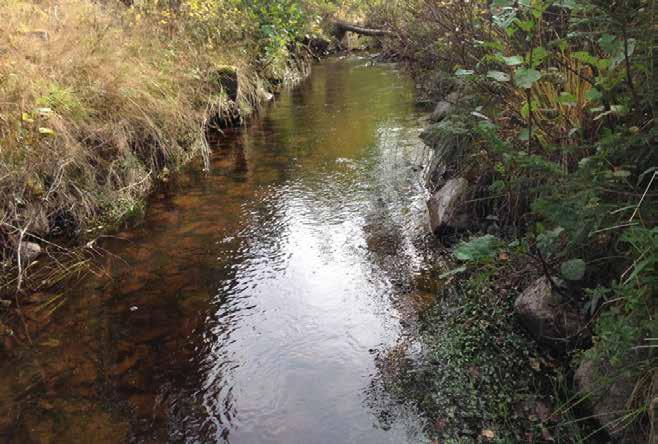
97	100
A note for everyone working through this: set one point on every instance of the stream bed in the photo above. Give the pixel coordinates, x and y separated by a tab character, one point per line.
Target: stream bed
251	303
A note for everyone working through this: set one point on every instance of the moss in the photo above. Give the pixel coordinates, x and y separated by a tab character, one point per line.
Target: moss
479	374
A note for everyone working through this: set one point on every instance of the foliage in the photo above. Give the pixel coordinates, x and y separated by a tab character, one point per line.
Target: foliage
477	249
561	103
478	375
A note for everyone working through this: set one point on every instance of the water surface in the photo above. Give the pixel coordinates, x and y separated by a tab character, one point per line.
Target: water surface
250	304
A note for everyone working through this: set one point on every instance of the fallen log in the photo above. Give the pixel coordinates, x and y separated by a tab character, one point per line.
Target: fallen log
342	27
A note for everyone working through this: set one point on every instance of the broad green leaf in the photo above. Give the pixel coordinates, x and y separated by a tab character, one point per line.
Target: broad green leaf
513	60
619	55
566	98
585	57
498	76
573	270
526	77
478	248
496	44
464	72
539	54
525	25
525	109
608	43
593	95
548	240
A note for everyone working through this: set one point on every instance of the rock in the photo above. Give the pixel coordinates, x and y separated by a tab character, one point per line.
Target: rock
446	207
608	392
444	107
29	251
440	111
542	312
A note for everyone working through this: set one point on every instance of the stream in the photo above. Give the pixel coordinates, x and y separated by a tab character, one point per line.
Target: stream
253	301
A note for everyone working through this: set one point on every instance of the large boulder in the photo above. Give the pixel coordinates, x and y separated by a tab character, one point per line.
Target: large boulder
608	392
447	207
441	110
545	315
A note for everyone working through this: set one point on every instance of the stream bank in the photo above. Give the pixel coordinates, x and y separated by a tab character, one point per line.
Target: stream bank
88	130
544	131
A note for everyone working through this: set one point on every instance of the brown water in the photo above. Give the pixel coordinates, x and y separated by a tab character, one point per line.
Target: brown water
251	304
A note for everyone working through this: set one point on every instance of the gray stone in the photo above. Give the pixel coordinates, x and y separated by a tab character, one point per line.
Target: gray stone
446	207
444	107
441	110
608	392
543	313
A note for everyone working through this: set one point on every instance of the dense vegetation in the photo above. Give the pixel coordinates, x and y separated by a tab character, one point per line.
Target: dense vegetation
557	127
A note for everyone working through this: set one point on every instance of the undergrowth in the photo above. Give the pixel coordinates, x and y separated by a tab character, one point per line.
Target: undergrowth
555	128
477	381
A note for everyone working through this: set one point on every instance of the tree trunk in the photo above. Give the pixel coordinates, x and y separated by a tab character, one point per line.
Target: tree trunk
342	27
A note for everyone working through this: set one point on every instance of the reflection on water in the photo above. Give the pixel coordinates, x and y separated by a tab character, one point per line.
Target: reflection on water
250	304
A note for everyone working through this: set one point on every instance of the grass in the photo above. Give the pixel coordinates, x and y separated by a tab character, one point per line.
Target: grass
100	99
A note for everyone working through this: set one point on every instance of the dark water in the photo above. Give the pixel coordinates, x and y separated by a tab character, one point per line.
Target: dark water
250	305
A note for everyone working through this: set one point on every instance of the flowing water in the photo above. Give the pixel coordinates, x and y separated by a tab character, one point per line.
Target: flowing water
252	302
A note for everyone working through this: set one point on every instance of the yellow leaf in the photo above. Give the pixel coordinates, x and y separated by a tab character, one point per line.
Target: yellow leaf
53	343
46	131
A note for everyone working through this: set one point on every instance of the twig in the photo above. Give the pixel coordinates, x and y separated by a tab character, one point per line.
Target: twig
639	204
19	259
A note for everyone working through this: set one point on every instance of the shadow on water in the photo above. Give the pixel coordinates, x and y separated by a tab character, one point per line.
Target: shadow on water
250	305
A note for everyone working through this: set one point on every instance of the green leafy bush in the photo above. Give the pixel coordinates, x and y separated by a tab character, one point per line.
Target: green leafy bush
561	118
